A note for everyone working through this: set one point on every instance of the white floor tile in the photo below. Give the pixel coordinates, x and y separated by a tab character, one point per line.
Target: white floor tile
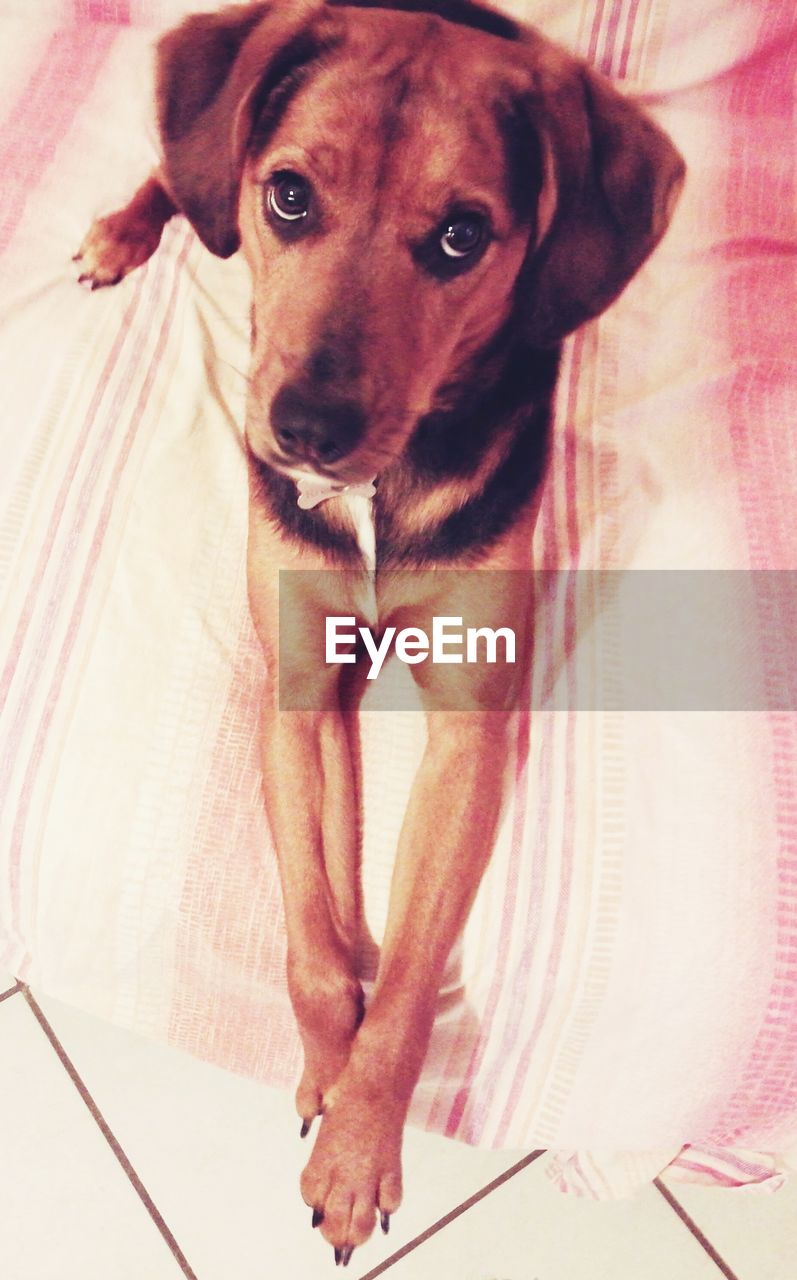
69	1211
527	1230
756	1235
221	1158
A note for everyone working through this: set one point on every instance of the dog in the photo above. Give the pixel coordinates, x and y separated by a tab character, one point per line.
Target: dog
429	197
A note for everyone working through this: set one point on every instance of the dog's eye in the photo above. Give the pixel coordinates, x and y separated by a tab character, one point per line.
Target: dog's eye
456	244
288	197
463	236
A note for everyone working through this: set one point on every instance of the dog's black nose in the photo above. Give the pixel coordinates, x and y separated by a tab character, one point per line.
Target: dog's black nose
306	427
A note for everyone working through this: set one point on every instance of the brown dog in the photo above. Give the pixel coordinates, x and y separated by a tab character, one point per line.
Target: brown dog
429	198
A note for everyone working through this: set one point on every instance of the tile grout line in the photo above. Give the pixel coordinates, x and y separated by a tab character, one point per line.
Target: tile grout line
454	1213
107	1133
12	991
692	1226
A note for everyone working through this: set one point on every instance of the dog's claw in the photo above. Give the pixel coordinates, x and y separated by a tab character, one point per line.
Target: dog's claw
318	1217
338	1253
91	283
305	1129
384	1222
345	1254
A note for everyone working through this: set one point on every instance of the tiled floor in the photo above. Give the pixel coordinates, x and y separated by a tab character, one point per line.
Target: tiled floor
123	1159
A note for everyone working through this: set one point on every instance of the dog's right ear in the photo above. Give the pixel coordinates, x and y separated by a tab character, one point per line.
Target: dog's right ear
211	72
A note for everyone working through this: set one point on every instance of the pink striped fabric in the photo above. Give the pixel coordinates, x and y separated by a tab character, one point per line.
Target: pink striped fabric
67	69
762	402
626	991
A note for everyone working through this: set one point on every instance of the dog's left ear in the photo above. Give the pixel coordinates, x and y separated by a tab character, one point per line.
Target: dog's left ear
617	177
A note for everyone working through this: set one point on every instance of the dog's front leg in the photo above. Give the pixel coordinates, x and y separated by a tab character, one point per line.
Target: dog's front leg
310	798
444	847
311	795
124	240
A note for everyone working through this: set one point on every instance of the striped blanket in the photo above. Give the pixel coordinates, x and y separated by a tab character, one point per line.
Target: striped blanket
626	990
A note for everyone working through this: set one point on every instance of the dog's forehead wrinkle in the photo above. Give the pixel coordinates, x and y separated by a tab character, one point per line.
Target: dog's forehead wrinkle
345	104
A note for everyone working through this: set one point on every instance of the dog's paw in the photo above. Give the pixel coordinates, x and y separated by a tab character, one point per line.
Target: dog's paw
328	1003
114	246
354	1172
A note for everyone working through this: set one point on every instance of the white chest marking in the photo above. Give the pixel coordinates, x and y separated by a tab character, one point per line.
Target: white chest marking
358	501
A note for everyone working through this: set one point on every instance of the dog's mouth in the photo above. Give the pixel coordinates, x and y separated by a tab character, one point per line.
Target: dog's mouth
316	474
304	475
307	475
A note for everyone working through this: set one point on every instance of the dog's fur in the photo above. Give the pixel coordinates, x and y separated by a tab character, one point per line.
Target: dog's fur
442	375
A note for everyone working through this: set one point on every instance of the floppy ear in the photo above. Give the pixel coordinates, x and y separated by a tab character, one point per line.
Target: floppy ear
617	178
212	72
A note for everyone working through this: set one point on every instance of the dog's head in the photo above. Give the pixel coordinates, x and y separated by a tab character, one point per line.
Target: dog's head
402	184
